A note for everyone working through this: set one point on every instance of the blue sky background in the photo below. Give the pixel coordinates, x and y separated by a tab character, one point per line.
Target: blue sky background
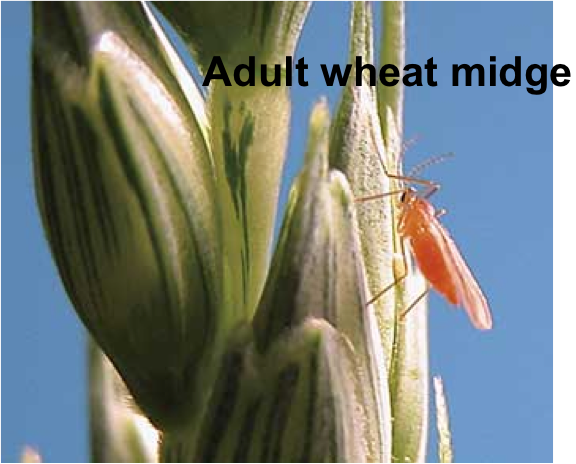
498	191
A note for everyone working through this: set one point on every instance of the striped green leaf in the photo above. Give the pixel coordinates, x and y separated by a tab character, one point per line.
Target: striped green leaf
357	150
236	30
249	136
318	271
249	127
301	408
297	403
304	385
126	188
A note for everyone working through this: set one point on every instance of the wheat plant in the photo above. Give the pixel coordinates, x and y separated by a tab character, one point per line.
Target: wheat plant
159	205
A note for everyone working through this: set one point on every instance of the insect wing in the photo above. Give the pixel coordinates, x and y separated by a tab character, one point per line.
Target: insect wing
471	296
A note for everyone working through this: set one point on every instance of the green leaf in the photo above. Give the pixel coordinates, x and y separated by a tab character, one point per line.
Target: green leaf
178	68
409	377
357	150
249	136
298	402
126	189
445	453
249	127
366	143
392	51
317	271
236	30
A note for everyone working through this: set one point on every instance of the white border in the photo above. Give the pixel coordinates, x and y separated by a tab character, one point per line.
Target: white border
564	248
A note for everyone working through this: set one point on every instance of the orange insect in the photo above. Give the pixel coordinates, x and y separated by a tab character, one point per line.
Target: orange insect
435	253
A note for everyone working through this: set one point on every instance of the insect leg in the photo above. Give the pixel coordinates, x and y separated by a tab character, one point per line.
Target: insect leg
431	187
378	196
414	303
388	287
397	280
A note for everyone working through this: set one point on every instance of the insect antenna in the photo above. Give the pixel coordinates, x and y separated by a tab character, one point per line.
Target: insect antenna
406	145
429	162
